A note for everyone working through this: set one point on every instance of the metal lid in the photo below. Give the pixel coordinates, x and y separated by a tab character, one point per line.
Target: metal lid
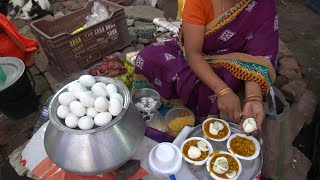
13	68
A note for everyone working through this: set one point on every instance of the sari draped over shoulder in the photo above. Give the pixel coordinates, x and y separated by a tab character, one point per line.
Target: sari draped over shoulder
248	57
240	45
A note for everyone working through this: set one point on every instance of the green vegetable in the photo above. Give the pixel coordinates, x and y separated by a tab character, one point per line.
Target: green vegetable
127	78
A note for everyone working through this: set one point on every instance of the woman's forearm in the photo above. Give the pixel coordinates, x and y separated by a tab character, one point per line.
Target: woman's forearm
252	88
205	73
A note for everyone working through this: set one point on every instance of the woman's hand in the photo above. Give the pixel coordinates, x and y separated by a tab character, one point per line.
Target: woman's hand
255	110
229	104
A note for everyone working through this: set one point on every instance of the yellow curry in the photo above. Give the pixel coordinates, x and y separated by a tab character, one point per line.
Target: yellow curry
242	146
204	154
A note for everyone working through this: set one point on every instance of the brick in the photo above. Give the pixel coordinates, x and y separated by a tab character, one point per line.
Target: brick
82	3
41	84
289	73
34	70
294	89
289	63
143	13
280	81
72	5
283	50
130	22
41	60
301	112
51	80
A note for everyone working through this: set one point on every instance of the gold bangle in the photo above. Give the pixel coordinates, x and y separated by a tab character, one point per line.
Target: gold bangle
223	92
254	95
254	99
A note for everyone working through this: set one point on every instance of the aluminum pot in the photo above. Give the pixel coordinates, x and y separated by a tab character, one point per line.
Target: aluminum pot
98	150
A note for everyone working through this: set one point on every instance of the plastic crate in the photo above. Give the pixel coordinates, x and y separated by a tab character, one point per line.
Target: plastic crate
73	53
314	4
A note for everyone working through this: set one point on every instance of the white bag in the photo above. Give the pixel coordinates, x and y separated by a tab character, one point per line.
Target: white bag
34	152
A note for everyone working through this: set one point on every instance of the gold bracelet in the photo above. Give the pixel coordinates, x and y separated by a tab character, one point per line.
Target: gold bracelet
254	99
254	95
224	92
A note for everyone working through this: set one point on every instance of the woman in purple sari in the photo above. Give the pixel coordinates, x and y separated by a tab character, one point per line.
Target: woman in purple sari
218	53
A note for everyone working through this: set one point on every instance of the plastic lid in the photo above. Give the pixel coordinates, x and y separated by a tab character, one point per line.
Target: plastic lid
165	159
13	68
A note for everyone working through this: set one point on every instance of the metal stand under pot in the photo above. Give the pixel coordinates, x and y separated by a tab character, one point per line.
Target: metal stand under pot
99	150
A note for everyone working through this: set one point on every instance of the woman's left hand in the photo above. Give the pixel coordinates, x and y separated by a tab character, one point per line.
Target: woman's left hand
255	110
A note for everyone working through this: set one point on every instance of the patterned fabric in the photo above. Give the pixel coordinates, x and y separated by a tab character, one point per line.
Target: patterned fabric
140	84
246	71
249	28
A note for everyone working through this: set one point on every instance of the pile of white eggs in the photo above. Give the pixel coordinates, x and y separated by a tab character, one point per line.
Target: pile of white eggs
88	103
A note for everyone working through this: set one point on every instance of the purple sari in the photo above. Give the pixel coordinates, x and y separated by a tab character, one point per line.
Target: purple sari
243	45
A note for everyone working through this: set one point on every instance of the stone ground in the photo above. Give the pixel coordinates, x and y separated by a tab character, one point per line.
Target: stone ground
299	29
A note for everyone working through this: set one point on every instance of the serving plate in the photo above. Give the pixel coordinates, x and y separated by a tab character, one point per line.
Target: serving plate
250	169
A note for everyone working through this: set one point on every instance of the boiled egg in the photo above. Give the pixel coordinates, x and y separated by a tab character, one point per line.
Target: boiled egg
117	96
87	99
214	130
85	123
215	127
231	175
76	88
101	104
220	125
87	80
77	108
63	111
115	107
99	90
102	118
91	112
221	165
66	98
249	125
202	146
102	84
194	152
71	120
111	88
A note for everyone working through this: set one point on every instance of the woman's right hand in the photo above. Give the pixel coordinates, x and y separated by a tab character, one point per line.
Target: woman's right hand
229	104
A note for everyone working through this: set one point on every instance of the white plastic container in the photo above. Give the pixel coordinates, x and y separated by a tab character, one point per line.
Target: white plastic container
165	159
255	142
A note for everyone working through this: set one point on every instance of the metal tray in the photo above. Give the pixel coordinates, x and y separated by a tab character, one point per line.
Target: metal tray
250	169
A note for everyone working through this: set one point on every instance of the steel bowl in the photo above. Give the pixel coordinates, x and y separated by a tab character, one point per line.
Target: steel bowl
176	112
146	92
99	150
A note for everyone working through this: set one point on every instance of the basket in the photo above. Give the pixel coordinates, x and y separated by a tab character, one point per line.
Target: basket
314	4
71	53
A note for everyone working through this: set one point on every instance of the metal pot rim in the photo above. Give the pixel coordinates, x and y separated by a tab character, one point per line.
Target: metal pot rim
59	125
